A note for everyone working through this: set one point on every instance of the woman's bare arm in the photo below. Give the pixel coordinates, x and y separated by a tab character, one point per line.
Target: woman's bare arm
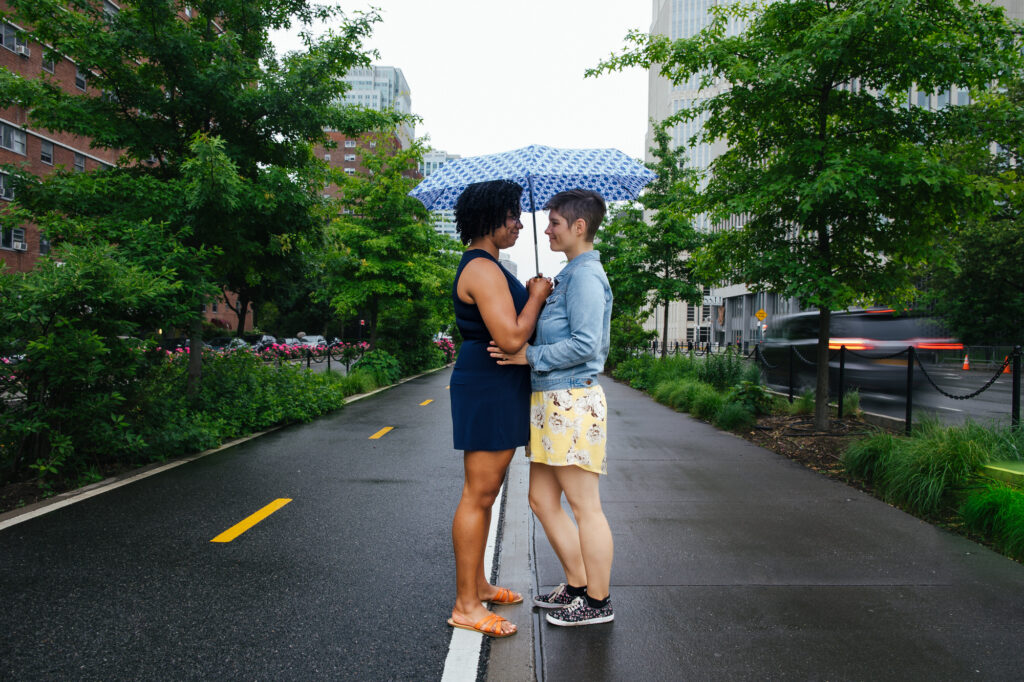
483	283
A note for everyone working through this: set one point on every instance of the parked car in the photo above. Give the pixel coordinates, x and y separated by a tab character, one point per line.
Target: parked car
260	342
218	342
313	340
291	341
873	339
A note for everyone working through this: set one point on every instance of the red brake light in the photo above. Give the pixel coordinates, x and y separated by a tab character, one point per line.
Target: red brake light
851	344
939	345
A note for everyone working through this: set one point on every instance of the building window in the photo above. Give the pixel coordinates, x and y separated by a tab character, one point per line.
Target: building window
923	99
963	96
188	11
213	307
44	245
110	9
350	144
79	163
350	171
691	313
46	152
49	65
350	157
942	99
327	157
11	37
13	239
79	78
11	138
6	188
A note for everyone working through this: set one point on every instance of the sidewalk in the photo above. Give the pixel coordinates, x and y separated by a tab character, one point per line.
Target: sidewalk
734	563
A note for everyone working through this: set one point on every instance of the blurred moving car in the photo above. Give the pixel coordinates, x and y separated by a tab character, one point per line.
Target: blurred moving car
874	340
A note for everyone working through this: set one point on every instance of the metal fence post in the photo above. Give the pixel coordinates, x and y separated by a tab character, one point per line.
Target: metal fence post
842	378
328	359
1015	380
792	353
910	388
309	357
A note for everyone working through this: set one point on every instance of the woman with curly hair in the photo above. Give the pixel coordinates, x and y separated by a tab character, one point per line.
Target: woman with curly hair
490	403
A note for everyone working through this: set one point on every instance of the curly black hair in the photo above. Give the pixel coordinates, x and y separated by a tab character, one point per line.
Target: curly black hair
483	206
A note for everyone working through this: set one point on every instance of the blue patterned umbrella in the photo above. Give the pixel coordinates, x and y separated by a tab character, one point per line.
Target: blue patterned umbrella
542	172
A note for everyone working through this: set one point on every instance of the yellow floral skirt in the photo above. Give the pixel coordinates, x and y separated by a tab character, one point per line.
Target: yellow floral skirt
569	426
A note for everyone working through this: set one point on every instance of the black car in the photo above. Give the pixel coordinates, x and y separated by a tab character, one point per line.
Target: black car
874	341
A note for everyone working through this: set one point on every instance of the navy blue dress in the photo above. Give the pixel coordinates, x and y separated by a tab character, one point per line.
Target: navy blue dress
490	402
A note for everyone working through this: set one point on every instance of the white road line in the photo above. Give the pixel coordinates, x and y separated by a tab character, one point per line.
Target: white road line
71	497
463	659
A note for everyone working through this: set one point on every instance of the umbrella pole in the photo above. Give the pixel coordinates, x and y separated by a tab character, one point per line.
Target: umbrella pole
533	212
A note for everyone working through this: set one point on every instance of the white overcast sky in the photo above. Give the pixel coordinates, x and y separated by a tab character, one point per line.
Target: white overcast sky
489	76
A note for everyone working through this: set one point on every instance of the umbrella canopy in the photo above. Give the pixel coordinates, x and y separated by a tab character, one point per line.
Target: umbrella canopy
542	172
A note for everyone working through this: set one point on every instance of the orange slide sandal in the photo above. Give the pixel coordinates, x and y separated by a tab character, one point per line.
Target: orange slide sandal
490	626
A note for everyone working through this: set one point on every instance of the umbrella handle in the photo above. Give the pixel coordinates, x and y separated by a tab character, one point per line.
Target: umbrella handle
533	211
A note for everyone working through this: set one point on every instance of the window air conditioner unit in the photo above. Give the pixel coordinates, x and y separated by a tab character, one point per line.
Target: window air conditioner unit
23	50
20	246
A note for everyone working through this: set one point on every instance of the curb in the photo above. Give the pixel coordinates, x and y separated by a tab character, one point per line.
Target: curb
16	516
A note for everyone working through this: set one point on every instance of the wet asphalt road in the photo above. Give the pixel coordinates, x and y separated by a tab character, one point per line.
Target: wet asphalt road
351	580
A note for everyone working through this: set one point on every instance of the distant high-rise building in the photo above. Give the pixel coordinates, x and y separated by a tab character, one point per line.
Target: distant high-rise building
381	88
444	221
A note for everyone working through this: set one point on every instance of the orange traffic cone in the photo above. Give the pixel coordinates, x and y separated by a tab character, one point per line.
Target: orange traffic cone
1006	365
967	365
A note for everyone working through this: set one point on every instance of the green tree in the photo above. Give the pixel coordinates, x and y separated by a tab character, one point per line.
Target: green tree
838	179
204	105
979	291
382	251
646	259
622	257
669	237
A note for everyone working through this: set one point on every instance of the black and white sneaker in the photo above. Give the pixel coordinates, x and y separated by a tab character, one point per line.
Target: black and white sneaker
579	612
555	599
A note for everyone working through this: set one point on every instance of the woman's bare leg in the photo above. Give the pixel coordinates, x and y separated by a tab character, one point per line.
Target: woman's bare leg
546	503
595	536
484	473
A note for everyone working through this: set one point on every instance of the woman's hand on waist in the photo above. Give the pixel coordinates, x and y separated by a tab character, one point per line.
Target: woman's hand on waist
504	358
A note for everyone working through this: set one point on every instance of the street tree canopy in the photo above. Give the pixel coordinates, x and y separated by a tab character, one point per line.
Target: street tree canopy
835	176
204	105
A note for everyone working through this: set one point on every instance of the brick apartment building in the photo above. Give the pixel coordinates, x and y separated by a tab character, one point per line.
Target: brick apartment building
42	151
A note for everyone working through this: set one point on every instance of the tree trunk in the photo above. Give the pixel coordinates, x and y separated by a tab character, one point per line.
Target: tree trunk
240	310
195	357
371	320
822	419
664	333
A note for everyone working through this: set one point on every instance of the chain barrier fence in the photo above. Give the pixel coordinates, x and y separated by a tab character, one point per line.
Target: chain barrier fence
1011	364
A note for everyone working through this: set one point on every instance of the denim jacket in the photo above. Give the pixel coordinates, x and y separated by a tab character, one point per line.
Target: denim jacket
574	329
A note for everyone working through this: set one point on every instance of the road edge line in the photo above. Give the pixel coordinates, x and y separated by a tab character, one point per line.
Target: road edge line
462	664
66	499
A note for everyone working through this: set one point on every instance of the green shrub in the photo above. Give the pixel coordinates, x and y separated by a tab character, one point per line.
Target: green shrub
706	402
930	465
358	382
735	417
381	365
866	459
803	404
722	370
851	403
753	396
663	389
997	512
681	396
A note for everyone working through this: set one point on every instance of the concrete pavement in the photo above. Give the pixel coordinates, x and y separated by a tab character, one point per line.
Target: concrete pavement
734	563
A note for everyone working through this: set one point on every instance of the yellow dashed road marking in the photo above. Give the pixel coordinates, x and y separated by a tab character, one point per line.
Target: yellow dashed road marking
427	402
380	433
239	528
